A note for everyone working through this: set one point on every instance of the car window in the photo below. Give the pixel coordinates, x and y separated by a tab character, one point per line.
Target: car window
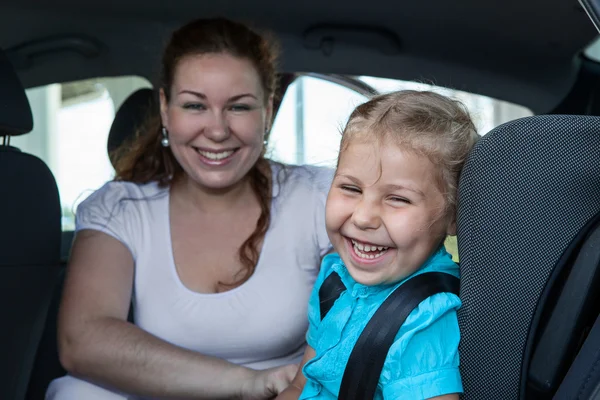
487	112
71	125
592	51
308	125
313	111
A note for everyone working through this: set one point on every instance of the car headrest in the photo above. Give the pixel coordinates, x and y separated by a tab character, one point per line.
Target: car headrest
130	117
15	111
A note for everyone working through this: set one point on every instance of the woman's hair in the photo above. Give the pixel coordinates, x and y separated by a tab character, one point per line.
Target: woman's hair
425	123
144	159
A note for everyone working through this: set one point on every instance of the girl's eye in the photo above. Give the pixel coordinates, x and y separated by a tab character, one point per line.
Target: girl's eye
240	107
351	189
194	106
397	199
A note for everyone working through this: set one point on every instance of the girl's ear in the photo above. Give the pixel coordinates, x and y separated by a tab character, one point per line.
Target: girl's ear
451	230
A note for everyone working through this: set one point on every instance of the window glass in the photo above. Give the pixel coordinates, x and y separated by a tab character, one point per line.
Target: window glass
308	126
487	113
71	125
307	129
593	50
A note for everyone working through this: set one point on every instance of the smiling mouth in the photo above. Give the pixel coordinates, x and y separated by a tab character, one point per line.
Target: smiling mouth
215	155
367	251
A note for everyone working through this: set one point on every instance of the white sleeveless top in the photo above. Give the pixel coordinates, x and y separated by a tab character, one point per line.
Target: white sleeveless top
260	324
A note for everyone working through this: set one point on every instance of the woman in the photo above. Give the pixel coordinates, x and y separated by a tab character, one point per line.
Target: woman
217	247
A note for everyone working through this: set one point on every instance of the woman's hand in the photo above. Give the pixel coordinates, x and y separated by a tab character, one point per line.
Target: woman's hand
294	391
268	383
291	393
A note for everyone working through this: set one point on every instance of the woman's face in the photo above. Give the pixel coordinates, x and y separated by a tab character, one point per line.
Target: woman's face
216	118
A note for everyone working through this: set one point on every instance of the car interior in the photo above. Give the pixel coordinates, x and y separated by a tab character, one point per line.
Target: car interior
77	79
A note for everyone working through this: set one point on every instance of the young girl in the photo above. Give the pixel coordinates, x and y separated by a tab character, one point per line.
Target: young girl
390	207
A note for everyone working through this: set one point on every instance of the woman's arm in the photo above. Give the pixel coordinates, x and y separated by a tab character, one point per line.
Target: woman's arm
96	341
295	389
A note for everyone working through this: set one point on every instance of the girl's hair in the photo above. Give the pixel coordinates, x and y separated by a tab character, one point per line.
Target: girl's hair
144	159
425	123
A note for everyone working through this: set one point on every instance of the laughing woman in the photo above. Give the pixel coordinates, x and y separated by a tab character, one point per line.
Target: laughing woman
216	247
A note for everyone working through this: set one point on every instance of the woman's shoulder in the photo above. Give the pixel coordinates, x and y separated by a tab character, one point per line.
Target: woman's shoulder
114	192
115	200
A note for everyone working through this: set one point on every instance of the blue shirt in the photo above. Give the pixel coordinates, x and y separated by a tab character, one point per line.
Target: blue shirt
421	363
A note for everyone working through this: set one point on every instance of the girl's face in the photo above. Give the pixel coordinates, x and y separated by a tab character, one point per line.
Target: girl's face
216	118
385	212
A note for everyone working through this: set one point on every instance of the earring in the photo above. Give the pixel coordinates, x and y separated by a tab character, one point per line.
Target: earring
266	142
165	139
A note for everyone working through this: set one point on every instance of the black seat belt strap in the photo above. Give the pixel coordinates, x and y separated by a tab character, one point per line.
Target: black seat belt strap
329	292
370	351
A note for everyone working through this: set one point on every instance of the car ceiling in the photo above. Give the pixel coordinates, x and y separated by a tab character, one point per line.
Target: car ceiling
523	51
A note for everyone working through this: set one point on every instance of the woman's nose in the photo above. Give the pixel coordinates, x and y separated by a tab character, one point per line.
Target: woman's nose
217	128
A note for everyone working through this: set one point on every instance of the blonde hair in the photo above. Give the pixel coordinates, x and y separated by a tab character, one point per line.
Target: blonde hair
422	122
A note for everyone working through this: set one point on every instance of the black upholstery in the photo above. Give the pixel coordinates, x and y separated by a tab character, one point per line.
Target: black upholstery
30	207
130	117
566	311
583	378
47	366
15	114
527	189
29	241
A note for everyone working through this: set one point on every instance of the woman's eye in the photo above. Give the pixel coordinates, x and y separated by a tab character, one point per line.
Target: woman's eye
351	189
194	106
240	107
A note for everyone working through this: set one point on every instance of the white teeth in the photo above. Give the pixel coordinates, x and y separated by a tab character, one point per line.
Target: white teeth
368	256
359	248
215	156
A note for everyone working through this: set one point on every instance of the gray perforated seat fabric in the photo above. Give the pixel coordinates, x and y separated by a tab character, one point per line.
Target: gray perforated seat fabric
526	190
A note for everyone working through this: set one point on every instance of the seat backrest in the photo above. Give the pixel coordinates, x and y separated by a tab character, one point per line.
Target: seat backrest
29	239
526	191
